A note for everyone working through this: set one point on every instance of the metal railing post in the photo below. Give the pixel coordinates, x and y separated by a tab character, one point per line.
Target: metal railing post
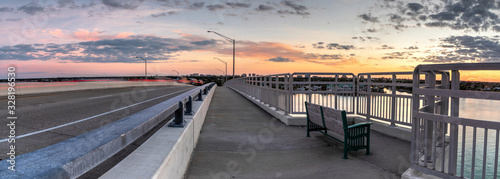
393	107
179	117
189	106
368	97
200	98
455	108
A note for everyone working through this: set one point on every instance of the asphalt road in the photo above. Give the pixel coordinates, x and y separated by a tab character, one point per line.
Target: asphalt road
46	119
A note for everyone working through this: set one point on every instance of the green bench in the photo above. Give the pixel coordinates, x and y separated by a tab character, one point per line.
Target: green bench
324	119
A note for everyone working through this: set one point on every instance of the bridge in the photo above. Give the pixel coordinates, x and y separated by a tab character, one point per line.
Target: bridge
253	128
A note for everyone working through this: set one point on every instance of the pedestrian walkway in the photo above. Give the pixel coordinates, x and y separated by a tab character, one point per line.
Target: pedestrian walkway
240	140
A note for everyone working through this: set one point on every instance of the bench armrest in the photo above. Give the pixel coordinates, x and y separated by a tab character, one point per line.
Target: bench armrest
363	124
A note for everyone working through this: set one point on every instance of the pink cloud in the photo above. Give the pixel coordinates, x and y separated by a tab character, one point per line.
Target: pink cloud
87	35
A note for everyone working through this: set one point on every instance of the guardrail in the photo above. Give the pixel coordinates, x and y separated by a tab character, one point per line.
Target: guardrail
76	156
443	143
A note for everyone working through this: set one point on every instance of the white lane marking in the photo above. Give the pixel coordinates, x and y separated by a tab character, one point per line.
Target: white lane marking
100	96
81	120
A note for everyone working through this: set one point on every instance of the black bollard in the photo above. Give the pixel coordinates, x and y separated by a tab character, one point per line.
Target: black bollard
179	117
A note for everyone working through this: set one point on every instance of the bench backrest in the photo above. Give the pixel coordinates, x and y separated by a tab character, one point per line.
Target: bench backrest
314	113
335	120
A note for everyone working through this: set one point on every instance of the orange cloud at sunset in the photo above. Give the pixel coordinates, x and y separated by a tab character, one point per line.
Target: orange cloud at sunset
87	35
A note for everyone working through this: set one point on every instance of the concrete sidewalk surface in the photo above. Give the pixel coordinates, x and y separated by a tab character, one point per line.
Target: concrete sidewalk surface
240	140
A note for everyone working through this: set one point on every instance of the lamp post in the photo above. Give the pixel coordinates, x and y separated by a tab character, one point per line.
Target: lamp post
176	72
226	67
230	40
220	71
145	67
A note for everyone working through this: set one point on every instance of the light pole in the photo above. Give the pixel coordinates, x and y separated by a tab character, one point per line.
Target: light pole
176	72
145	67
220	71
226	68
230	40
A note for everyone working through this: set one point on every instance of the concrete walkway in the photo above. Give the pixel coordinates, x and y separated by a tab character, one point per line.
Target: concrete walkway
240	140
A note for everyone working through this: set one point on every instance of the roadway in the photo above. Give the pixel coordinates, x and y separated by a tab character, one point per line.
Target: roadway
47	119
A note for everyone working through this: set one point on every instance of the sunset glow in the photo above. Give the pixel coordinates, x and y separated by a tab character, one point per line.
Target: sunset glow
101	38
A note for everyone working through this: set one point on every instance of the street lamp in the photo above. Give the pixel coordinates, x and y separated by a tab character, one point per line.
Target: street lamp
145	67
230	40
226	67
220	71
176	72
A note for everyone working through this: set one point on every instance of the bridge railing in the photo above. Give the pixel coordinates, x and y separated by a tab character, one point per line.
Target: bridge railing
374	102
288	92
444	143
335	90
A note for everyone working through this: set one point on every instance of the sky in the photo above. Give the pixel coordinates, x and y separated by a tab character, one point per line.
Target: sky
68	38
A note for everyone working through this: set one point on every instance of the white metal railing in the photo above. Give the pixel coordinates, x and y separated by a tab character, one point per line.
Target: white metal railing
270	89
335	90
288	92
373	102
443	143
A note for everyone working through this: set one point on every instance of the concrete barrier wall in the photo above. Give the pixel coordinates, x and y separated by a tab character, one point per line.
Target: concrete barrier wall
167	153
48	87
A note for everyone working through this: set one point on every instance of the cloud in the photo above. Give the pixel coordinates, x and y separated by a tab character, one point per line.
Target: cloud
128	4
412	48
280	59
397	55
215	7
293	9
475	15
368	17
385	47
103	51
13	20
332	46
164	14
237	5
86	35
415	7
324	56
196	5
204	42
6	9
31	8
366	38
263	7
460	49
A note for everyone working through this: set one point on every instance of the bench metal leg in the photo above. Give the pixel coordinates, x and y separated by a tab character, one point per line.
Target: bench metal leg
368	142
345	152
307	129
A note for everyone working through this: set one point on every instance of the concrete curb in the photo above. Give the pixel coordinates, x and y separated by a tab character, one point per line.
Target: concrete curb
75	156
167	153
